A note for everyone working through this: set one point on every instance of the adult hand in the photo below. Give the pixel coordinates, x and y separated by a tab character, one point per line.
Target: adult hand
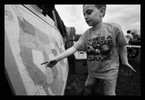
126	69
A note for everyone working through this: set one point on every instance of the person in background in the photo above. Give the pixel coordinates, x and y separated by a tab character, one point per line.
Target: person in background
128	37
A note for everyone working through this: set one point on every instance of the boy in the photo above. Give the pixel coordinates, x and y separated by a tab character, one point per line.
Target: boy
102	42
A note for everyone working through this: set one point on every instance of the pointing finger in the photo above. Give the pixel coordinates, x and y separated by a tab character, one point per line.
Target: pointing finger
44	62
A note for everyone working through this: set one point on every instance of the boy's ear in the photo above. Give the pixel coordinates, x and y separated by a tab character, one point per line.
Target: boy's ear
102	10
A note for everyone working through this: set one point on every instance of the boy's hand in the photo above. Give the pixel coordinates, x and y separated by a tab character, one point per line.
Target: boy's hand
126	69
50	63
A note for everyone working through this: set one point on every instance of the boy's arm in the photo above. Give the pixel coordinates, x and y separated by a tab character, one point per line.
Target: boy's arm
121	42
65	54
123	56
78	46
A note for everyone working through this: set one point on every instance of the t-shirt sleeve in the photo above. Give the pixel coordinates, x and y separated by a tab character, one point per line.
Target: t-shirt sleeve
80	44
120	37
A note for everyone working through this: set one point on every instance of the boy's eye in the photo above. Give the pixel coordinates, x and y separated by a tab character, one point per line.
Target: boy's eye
88	12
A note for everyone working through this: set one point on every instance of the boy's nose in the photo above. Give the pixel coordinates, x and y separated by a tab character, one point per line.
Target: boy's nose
86	18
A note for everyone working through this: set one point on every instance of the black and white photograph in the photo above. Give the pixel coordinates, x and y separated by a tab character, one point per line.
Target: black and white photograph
72	49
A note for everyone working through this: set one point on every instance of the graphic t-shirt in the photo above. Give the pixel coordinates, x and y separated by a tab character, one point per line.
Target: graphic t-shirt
102	50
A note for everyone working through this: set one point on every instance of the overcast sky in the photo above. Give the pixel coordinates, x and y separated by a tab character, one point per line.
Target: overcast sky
128	16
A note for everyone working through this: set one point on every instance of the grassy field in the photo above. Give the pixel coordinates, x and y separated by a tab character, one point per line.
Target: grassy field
126	86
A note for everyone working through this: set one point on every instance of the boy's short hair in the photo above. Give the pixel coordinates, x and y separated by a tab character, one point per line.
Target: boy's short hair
98	6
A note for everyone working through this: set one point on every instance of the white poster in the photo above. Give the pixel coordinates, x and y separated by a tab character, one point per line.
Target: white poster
33	41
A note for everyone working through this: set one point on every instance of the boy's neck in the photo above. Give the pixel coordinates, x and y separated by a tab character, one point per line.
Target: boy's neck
97	26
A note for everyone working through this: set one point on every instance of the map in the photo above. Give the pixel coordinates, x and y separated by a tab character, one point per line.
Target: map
32	42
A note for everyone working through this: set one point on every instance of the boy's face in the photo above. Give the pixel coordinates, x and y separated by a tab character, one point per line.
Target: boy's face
92	14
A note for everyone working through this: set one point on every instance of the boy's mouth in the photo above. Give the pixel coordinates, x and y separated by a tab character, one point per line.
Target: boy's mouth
88	21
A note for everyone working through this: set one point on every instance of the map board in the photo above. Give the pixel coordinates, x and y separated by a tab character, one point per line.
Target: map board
29	41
